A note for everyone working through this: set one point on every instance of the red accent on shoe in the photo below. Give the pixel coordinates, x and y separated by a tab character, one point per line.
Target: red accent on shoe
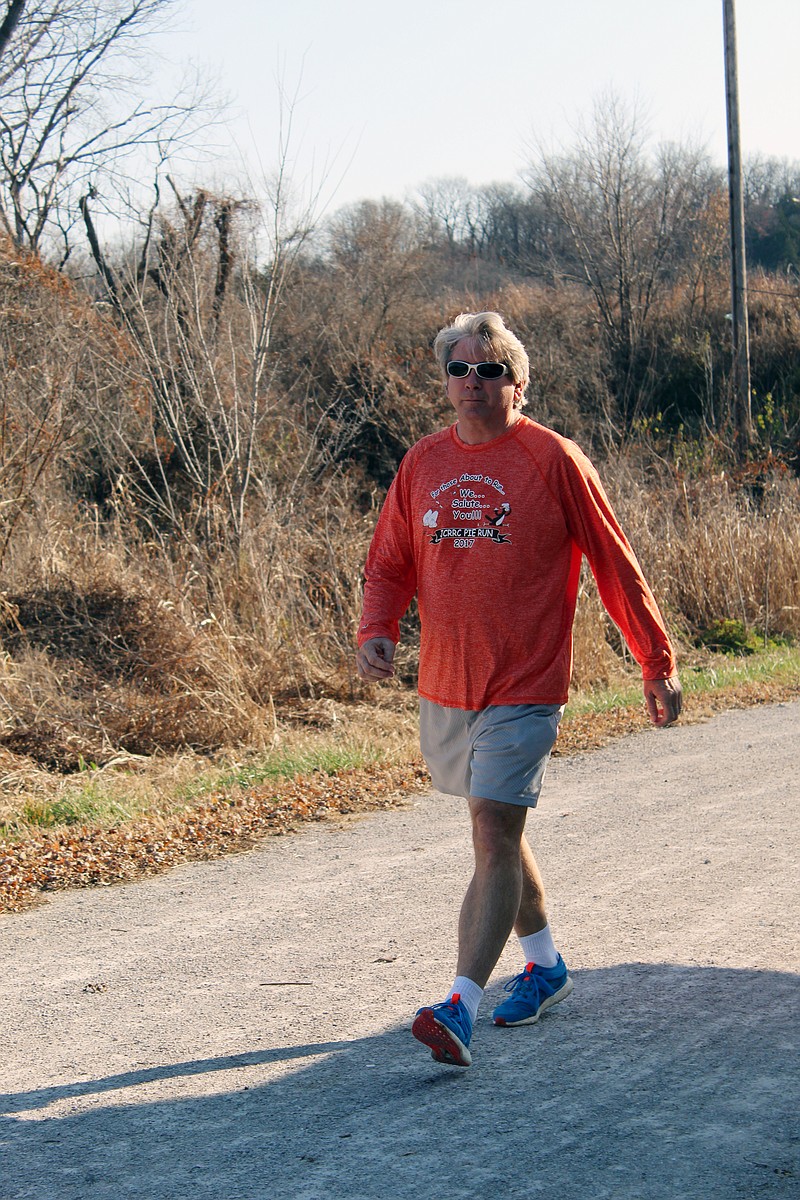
529	967
455	998
440	1040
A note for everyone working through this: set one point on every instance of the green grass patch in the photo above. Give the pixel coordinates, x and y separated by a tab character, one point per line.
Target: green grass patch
729	636
284	764
101	801
90	805
779	664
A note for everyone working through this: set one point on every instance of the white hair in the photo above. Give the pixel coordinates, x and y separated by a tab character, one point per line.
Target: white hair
490	330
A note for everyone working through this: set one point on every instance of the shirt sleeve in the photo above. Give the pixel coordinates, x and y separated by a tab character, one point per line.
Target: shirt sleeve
390	575
623	589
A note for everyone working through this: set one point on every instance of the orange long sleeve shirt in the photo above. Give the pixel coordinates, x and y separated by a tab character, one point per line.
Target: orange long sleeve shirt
490	538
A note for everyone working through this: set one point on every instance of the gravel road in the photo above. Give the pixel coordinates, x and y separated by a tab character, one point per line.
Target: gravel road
238	1030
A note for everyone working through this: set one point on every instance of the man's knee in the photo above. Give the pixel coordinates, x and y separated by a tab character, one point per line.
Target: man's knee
497	828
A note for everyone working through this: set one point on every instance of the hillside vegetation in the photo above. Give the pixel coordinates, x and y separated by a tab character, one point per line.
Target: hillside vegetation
197	431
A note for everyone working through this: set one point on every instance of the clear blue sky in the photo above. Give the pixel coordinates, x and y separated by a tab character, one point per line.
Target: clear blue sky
394	94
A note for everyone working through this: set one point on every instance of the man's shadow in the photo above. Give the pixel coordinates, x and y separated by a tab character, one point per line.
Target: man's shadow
650	1081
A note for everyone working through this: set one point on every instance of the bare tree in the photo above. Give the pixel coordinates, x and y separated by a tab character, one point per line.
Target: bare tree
14	11
447	205
620	223
198	310
768	180
376	246
72	107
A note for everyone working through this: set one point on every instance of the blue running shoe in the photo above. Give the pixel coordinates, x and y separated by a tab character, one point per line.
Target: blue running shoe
532	991
447	1029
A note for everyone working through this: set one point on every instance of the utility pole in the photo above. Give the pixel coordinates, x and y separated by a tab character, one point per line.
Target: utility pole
743	417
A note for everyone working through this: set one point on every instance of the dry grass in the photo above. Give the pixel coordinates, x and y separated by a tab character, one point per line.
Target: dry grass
715	547
115	649
111	645
236	810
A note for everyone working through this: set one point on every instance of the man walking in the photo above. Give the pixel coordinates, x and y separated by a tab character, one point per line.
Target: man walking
486	523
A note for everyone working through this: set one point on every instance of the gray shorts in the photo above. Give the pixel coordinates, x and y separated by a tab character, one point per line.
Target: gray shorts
496	753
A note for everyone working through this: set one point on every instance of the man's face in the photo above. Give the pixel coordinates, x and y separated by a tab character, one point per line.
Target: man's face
485	407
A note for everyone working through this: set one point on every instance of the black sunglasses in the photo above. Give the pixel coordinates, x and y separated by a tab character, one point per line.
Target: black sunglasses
485	370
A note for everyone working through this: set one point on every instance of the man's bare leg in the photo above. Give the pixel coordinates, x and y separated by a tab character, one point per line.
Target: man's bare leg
531	916
505	892
503	877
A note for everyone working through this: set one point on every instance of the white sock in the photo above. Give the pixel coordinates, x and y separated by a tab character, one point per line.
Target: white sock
469	992
540	948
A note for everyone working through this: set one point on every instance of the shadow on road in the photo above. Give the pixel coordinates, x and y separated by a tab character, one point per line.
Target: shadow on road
650	1082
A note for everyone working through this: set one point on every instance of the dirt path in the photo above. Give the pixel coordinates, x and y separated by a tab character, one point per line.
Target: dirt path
238	1030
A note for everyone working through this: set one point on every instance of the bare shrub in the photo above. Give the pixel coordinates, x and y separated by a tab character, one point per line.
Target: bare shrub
596	663
113	643
775	360
97	669
717	547
287	605
45	371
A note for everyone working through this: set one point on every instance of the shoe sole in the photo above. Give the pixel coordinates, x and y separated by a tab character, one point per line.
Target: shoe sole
561	994
446	1047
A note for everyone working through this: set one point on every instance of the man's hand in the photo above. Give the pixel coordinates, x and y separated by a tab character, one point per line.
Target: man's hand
664	700
374	659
